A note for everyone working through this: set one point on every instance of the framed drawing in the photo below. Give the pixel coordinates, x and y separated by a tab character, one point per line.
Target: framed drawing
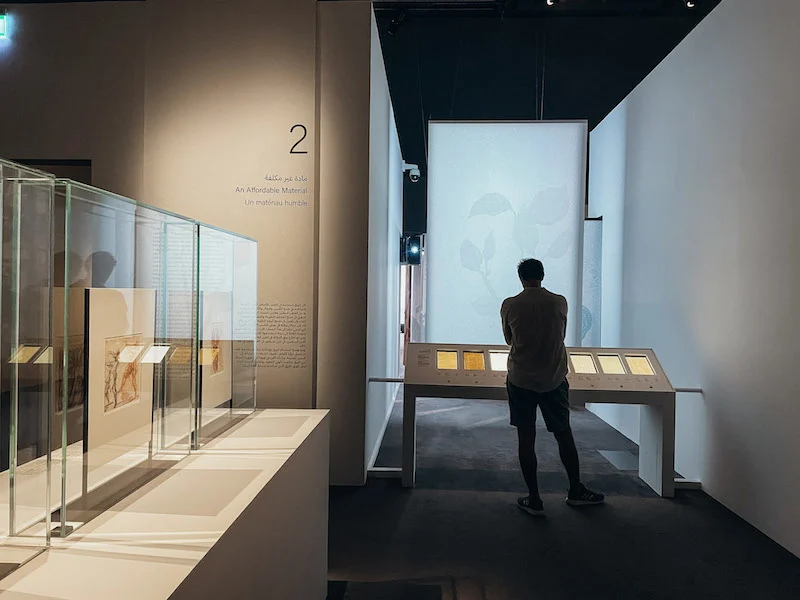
118	414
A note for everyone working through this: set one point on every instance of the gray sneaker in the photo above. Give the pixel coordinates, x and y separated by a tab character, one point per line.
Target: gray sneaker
532	506
583	496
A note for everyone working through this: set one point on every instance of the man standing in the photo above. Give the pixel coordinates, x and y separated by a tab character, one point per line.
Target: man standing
534	325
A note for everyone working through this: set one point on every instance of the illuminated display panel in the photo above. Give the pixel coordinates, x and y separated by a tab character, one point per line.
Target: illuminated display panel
639	365
447	360
24	354
611	364
583	363
474	361
498	361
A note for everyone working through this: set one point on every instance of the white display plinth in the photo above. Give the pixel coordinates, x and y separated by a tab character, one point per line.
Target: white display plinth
597	375
245	517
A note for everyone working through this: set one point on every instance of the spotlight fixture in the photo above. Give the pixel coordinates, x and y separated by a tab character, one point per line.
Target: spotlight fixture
690	3
397	21
552	2
411	250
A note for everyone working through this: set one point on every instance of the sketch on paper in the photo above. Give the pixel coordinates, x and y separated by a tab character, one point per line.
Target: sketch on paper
123	371
217	363
74	381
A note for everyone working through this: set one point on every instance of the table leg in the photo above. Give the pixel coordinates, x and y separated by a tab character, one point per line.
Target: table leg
409	437
657	448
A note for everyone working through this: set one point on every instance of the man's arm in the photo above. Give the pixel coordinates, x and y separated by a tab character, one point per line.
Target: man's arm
504	320
566	312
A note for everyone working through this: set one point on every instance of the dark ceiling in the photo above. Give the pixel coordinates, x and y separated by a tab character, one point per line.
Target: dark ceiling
518	60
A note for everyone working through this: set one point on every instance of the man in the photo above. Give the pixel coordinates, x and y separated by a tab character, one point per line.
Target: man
534	325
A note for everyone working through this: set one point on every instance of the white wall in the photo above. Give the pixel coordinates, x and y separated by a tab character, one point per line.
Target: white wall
384	252
710	278
607	160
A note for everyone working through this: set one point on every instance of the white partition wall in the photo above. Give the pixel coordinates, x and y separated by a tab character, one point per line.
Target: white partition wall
607	157
385	218
709	261
497	193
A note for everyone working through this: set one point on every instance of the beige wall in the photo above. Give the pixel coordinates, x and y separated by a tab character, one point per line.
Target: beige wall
212	112
225	85
344	88
73	88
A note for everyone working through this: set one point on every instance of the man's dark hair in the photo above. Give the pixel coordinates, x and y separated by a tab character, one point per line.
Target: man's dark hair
531	269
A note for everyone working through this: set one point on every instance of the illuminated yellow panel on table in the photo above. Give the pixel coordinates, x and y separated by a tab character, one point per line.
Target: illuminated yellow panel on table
446	359
24	354
583	363
474	361
639	365
611	364
498	361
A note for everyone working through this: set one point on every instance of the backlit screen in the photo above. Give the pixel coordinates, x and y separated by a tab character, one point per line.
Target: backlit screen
583	363
497	193
498	361
611	364
474	361
639	365
447	360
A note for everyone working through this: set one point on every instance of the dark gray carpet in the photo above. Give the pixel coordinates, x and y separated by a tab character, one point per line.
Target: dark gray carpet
469	445
460	531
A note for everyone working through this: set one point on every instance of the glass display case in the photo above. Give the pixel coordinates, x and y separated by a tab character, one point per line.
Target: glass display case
123	345
226	330
128	339
26	373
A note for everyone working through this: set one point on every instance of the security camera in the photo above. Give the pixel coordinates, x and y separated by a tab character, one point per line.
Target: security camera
413	171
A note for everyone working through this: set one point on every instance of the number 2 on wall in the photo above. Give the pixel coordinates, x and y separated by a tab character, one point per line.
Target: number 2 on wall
294	149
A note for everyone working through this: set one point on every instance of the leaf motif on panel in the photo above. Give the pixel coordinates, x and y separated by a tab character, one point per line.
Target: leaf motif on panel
471	257
586	321
490	205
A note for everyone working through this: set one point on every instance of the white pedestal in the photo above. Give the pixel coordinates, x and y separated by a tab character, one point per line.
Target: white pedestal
247	517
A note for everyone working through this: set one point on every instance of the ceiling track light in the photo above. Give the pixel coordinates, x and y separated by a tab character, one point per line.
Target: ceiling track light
690	3
552	2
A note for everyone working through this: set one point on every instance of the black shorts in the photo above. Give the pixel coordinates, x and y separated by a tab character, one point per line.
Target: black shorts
553	404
